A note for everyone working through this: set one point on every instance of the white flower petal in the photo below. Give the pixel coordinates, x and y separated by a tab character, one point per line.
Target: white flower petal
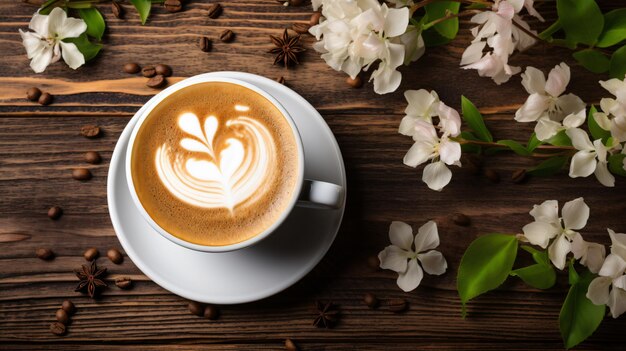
568	104
427	237
580	139
473	53
613	266
583	164
396	22
575	214
558	78
598	291
612	85
547	212
71	55
411	279
603	120
595	257
419	153
71	28
617	302
534	81
393	258
449	120
575	120
618	243
539	233
401	235
449	151
547	128
534	108
436	175
421	103
558	251
386	79
56	18
620	282
41	59
603	175
407	125
433	262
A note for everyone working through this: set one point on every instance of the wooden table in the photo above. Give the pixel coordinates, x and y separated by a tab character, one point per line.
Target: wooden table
39	146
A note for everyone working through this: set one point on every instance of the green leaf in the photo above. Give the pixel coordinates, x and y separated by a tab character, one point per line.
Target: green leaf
614	28
436	10
95	22
616	164
87	48
475	120
547	33
515	146
579	317
618	63
471	148
548	167
560	139
596	131
433	38
581	20
485	265
592	60
538	256
540	275
143	7
533	142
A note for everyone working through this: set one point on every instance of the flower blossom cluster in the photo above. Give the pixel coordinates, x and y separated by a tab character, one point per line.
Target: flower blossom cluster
355	35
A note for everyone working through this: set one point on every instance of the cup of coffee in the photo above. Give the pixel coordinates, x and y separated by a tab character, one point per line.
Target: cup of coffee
217	164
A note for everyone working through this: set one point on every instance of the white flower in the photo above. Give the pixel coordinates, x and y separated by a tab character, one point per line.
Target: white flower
613	115
422	106
45	45
590	254
591	158
403	254
610	287
548	225
546	104
547	128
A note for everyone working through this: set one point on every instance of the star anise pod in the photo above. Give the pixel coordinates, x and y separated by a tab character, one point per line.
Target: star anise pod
287	48
327	315
91	279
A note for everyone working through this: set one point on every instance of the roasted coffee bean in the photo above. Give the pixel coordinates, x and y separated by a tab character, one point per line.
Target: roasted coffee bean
215	10
373	262
492	175
148	71
45	99
281	80
370	300
205	44
163	70
124	283
290	345
196	308
132	68
115	256
90	131
315	19
520	176
62	316
461	219
33	94
117	9
92	157
68	307
57	328
355	83
44	254
55	212
227	36
81	174
300	28
156	82
91	254
173	5
211	312
397	305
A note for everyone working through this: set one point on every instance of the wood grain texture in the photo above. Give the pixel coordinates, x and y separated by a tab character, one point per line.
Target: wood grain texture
39	146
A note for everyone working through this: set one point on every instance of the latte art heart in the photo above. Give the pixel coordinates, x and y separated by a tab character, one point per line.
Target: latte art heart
221	174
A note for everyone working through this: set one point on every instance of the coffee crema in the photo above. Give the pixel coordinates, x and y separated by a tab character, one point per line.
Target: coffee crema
215	164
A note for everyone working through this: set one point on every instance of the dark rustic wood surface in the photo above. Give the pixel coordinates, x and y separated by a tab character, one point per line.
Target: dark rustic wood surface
40	145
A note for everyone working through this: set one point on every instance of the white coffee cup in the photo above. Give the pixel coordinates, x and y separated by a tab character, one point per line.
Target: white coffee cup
309	193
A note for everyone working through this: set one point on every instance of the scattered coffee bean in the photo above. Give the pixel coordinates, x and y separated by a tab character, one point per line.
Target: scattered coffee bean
90	131
355	83
44	254
281	80
492	175
315	18
156	82
227	36
373	262
196	308
81	174
300	28
215	10
370	300
132	68
290	345
520	176
461	219
62	316
68	307
148	71
211	312
91	254
173	5
33	94
92	157
205	44
117	9
45	99
124	283
163	70
57	328
55	212
115	256
397	305
473	163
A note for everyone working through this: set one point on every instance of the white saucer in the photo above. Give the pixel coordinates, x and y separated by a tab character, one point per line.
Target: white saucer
249	274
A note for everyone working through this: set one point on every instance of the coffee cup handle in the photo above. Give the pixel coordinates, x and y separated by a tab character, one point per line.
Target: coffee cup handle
323	195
